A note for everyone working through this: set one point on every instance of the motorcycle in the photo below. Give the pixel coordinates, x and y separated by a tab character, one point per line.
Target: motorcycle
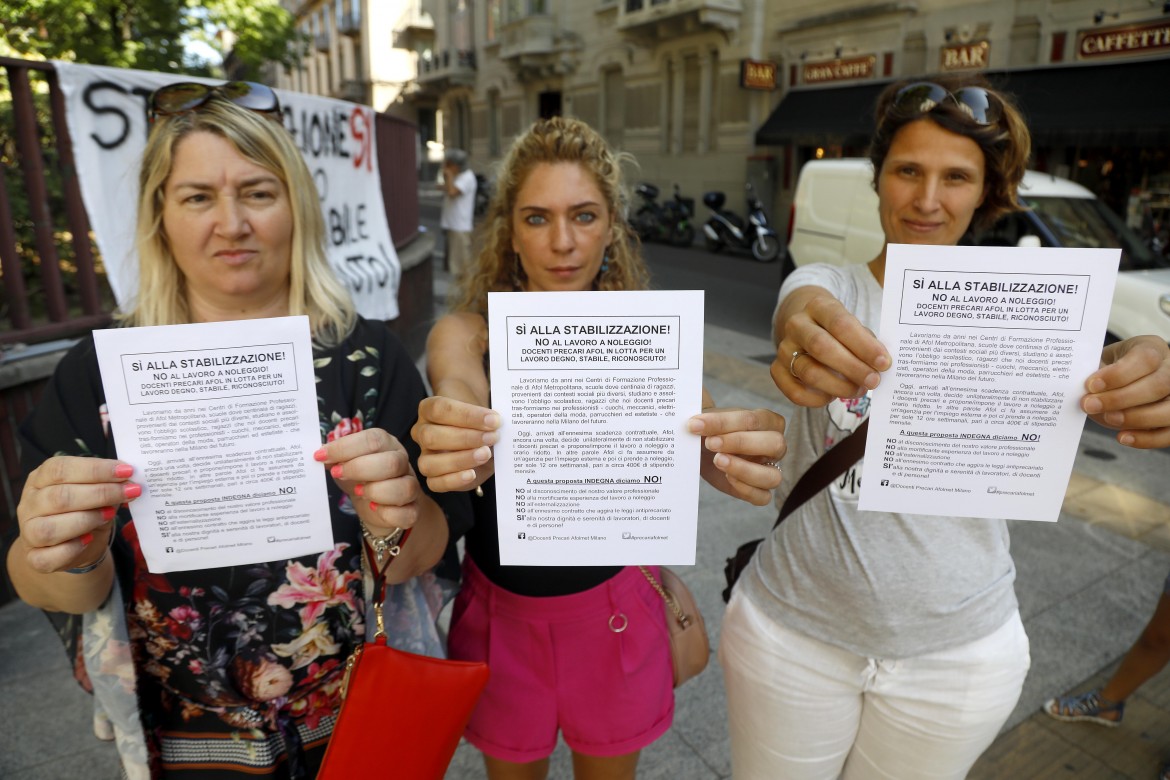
726	228
668	222
483	194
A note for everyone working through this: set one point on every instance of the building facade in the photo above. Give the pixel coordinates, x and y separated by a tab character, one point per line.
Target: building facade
712	94
360	50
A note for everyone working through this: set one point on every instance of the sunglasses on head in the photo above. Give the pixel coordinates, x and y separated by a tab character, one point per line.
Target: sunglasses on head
923	96
185	96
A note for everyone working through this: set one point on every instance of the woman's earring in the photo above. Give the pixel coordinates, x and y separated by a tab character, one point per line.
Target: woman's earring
604	263
517	273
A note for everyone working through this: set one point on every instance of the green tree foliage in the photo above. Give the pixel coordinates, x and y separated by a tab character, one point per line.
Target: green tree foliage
151	34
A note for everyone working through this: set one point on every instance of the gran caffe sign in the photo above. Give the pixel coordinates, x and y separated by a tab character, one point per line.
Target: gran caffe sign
838	70
1126	40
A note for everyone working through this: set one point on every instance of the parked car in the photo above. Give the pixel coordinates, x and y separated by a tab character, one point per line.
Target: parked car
835	220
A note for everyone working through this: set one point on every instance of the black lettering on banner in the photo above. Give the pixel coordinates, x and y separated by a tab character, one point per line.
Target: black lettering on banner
318	134
91	94
346	226
321	179
366	272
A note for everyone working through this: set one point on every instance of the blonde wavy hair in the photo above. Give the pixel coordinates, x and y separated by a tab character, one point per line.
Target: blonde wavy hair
555	140
314	289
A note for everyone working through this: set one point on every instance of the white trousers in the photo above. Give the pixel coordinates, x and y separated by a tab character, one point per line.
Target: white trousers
801	709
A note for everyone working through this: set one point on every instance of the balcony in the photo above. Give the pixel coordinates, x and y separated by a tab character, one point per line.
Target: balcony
415	27
321	42
448	68
668	18
350	24
534	47
355	91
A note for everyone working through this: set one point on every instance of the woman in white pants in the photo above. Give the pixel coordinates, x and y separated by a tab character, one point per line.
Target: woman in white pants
884	645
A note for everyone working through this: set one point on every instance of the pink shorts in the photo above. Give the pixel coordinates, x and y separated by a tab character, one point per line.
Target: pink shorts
557	663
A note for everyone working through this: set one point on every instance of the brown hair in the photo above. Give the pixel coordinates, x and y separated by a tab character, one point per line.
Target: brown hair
555	140
1006	143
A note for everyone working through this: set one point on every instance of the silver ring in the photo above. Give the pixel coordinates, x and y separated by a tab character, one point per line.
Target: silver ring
792	363
773	463
615	627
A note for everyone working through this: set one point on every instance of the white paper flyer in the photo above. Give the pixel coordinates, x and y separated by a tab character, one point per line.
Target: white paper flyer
594	465
980	415
220	423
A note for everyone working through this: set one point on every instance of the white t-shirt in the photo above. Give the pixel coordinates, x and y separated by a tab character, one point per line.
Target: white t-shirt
459	211
879	584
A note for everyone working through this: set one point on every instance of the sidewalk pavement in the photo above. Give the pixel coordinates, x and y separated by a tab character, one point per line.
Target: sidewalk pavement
1086	586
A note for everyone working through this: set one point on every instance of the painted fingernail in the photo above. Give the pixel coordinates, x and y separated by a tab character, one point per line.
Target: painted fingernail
108	513
483	454
714	443
131	490
320	455
1092	405
491	439
722	461
336	471
1126	439
85	539
373	506
695	426
491	420
1096	385
1115	418
123	470
359	490
469	475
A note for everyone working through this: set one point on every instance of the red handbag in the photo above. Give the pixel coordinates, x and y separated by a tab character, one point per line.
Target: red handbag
391	697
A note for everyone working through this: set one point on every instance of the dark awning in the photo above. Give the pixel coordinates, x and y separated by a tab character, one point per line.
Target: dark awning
1115	103
817	117
1124	103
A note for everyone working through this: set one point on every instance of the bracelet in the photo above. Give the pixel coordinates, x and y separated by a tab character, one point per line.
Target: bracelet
90	567
384	545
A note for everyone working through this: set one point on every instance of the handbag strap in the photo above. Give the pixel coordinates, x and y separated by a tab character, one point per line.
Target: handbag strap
827	468
683	619
379	574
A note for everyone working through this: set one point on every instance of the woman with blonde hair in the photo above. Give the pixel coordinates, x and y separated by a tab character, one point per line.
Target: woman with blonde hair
232	671
557	223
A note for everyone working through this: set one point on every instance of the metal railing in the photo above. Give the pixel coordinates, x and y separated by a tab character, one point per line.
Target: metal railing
49	232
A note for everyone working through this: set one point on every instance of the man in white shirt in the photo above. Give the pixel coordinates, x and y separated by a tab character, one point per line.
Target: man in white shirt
458	208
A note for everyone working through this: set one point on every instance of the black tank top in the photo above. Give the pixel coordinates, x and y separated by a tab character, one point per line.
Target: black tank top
484	548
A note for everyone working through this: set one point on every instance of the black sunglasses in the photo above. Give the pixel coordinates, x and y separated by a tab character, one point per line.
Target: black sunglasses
922	98
189	96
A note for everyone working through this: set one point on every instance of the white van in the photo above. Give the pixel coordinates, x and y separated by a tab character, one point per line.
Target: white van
835	220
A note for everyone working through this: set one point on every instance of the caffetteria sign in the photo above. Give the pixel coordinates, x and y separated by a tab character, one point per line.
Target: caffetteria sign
1136	39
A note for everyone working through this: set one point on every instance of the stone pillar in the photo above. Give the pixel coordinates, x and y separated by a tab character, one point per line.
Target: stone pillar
706	77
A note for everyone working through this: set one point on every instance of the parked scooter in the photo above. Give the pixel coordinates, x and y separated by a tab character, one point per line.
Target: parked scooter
668	222
726	228
483	194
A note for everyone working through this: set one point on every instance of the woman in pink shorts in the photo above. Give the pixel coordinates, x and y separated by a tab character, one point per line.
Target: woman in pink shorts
582	650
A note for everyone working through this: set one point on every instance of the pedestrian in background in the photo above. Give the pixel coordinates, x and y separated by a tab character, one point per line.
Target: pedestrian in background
458	210
582	650
877	644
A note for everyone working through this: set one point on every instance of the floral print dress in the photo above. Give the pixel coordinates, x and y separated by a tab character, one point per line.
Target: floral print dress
230	671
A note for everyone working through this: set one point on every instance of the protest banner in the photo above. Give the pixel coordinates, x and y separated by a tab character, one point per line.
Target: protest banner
106	110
